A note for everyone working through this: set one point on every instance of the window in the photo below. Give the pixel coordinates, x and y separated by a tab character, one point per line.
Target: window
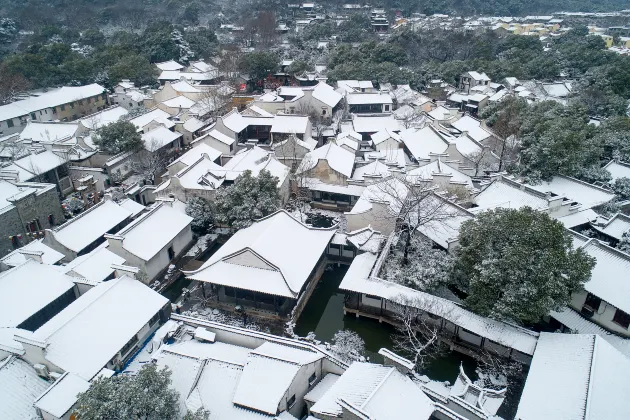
154	319
622	319
129	344
291	401
72	105
80	101
312	379
62	107
323	111
592	302
171	253
386	108
9	123
33	116
51	219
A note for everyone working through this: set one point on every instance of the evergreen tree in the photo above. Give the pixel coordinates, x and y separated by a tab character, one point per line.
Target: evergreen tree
201	211
518	264
248	199
117	137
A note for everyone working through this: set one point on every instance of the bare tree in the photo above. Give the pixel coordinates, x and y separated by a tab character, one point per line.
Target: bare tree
418	335
11	85
265	25
214	100
482	160
411	117
319	121
12	148
151	162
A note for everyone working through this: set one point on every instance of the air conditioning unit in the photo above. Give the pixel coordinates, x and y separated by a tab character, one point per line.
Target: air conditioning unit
41	370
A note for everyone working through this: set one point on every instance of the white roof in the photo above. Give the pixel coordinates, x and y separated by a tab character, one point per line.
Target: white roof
473	127
441	113
105	318
154	115
49	131
444	228
152	231
217	135
193	155
380	136
580	218
179	102
424	142
321	388
202	66
372	124
197	176
263	257
356	280
582	192
359	98
104	117
28	288
133	206
193	124
95	266
609	278
289	124
19	388
478	76
62	395
379	391
352	85
81	231
39	163
338	158
326	94
255	160
169	65
49	255
159	137
575	376
437	167
558	90
185	87
371	171
391	157
618	170
52	98
616	226
500	194
391	191
182	75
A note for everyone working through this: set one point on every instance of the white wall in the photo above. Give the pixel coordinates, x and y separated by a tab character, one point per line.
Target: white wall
604	316
378	217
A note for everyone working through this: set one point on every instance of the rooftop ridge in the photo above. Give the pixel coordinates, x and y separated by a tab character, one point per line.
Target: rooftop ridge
74	219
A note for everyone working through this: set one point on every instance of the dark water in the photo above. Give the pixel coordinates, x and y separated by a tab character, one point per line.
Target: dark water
323	314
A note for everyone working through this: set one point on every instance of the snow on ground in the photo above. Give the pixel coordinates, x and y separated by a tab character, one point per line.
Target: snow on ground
304	213
201	245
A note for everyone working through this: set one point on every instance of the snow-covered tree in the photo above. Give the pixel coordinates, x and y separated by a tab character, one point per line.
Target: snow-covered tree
621	187
201	211
429	269
150	164
348	346
120	136
248	199
146	396
624	243
518	264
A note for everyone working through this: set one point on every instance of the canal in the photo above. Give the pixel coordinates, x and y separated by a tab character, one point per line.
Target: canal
323	314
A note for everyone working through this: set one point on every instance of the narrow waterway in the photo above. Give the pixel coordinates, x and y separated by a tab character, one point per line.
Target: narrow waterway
323	314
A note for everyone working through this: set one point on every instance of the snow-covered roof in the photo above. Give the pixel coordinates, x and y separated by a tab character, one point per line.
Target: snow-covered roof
582	217
49	131
348	142
197	176
258	111
354	85
95	266
19	388
49	99
153	231
609	278
169	65
424	142
81	231
501	194
132	206
366	239
443	228
326	94
618	170
426	173
392	192
338	158
288	124
558	90
28	288
321	388
37	164
499	95
182	75
357	280
184	87
442	113
391	157
478	76
360	98
104	117
59	398
195	153
473	127
588	195
616	226
268	361
575	376
264	257
155	114
193	124
49	255
202	66
87	334
179	102
255	160
380	136
372	171
217	135
379	391
374	123
159	137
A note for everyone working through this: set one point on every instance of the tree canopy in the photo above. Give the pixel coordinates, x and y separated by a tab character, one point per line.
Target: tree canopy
117	137
200	210
518	264
249	198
